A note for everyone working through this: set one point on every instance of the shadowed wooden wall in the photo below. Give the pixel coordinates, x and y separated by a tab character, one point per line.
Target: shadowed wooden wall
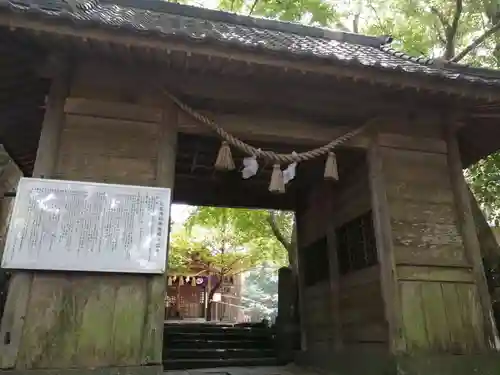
345	307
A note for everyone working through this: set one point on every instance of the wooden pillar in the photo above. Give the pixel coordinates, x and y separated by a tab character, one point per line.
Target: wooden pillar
301	281
17	300
284	320
385	251
8	182
9	178
469	234
165	176
333	268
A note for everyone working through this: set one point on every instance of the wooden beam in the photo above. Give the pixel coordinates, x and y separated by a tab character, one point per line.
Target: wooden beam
167	146
326	96
253	127
469	234
53	122
45	166
413	143
220	194
385	251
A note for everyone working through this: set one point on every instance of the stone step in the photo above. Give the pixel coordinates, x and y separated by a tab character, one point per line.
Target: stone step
214	353
230	332
218	336
181	364
206	328
207	343
233	338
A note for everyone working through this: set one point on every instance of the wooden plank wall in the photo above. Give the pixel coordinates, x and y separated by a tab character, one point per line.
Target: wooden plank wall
358	295
439	300
109	150
361	305
317	301
362	308
114	92
9	178
84	320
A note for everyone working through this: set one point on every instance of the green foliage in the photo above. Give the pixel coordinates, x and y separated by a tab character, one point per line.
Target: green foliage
484	180
181	249
314	12
228	240
236	228
259	294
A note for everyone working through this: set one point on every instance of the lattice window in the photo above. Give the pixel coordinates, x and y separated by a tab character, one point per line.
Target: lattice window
356	247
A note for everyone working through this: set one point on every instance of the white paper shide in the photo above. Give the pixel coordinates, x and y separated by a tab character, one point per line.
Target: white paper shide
80	226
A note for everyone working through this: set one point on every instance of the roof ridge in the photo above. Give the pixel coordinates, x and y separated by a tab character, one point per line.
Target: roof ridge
423	60
440	63
161	6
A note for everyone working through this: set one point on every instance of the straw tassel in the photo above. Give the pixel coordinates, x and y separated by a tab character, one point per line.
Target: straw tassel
193	281
331	171
224	160
277	184
181	280
169	281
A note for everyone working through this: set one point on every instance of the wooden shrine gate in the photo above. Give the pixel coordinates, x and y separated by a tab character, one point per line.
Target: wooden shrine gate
390	274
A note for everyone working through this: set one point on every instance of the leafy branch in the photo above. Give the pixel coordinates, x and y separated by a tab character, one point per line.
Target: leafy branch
450	30
440	16
252	8
271	219
477	42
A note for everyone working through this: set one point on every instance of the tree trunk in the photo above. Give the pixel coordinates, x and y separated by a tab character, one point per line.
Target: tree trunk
208	312
293	251
290	246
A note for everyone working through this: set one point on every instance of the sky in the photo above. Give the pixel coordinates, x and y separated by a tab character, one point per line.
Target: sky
179	213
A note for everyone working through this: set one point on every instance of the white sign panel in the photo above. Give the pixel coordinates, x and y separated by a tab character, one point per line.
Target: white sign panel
80	226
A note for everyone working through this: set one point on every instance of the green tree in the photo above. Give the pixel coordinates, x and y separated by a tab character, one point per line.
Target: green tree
222	240
260	293
269	232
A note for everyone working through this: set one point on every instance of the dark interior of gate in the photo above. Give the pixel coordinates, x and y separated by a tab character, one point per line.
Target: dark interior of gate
110	134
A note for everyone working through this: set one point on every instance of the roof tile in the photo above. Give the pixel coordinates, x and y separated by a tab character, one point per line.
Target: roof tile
174	20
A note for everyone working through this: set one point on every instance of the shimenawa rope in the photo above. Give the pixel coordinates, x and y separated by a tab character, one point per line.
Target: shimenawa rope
267	155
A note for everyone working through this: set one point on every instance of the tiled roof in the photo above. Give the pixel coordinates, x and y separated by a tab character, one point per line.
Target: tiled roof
169	20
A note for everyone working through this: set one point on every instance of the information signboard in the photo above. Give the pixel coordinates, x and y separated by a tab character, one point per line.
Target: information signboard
85	226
